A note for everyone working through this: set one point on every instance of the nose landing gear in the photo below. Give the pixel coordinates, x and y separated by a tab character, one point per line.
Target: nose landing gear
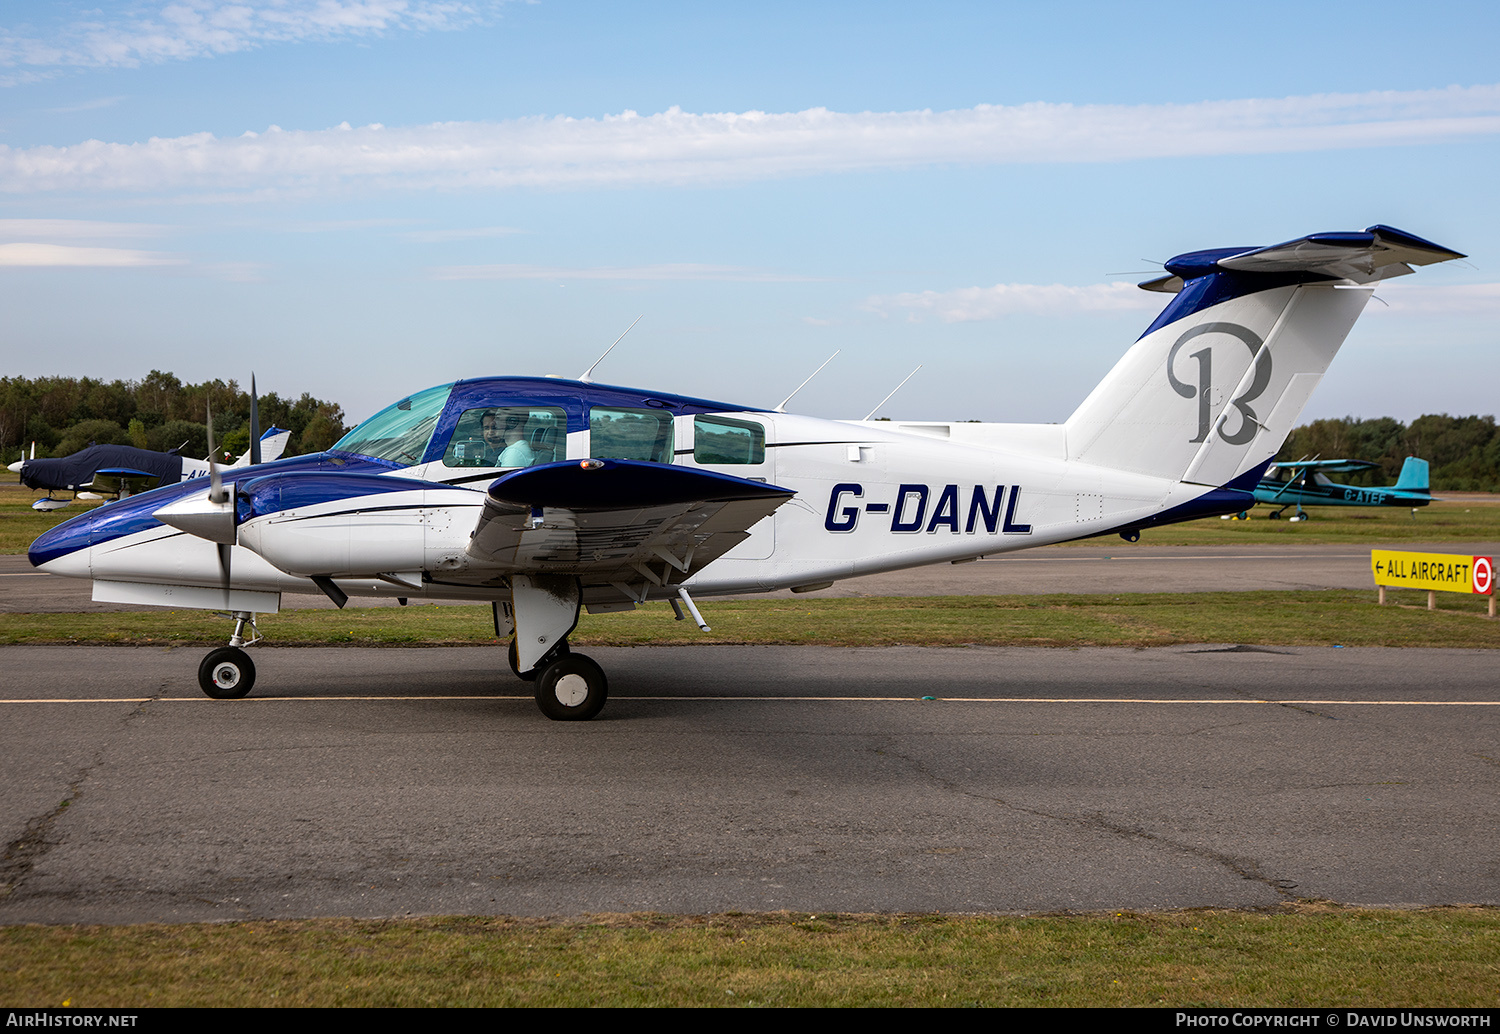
228	673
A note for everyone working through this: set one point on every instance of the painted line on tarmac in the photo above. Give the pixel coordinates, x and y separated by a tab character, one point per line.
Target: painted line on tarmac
1145	559
766	699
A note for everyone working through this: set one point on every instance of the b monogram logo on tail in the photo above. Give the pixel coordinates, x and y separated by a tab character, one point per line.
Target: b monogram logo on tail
1249	425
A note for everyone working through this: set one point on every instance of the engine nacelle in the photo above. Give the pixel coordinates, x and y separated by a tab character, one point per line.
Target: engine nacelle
344	526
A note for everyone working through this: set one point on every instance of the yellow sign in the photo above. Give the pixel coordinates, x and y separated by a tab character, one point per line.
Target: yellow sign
1443	572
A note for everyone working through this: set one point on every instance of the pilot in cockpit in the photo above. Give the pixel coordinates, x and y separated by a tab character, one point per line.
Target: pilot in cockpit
505	438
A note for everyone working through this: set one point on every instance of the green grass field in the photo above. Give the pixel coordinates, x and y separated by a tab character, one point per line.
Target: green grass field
1272	618
1305	955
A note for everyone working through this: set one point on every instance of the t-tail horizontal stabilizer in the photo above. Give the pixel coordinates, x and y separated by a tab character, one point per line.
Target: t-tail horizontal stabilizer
1212	389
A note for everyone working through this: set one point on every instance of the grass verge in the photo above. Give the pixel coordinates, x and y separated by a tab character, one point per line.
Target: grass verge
1303	955
1306	618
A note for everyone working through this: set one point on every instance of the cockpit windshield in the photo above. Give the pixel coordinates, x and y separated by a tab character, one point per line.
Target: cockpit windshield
399	433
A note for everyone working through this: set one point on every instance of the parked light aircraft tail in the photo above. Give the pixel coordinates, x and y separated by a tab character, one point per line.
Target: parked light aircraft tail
546	496
1413	477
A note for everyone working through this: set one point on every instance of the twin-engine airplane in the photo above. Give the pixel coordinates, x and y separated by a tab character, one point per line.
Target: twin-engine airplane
546	496
1305	483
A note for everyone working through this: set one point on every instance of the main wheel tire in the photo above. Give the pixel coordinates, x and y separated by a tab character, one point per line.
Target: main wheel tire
571	689
530	676
227	673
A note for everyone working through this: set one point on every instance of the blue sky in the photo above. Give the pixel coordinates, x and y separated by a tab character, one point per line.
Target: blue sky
357	199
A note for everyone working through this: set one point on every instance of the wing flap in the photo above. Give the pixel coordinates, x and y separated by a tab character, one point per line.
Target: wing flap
618	520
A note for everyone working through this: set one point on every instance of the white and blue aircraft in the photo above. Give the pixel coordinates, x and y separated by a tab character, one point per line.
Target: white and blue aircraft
545	496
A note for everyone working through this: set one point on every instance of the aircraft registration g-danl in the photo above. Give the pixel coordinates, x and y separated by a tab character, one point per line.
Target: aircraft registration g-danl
544	496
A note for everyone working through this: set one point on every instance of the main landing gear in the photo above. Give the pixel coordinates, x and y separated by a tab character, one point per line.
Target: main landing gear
1300	515
228	673
544	611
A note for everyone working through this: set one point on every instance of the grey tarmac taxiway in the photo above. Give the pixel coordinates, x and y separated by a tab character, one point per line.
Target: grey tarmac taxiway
389	782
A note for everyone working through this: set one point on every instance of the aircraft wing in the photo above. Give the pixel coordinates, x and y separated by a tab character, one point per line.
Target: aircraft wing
124	480
1329	466
618	521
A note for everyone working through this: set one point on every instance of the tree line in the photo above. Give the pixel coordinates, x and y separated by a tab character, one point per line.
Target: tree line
65	414
1462	451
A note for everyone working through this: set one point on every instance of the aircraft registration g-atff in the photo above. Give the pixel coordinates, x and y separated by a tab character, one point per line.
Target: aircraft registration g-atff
546	496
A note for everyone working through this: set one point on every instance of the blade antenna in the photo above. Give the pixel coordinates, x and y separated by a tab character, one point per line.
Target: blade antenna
588	375
782	408
893	391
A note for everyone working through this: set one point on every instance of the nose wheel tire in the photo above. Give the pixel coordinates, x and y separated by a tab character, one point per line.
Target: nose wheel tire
227	673
571	689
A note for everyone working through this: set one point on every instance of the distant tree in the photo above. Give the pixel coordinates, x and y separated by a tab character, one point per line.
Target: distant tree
322	430
191	437
233	443
1463	452
90	432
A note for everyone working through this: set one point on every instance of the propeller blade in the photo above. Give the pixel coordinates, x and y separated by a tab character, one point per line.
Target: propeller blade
218	496
254	423
216	484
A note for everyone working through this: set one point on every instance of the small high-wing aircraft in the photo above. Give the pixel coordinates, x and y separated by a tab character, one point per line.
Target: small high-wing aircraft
546	496
1305	483
124	470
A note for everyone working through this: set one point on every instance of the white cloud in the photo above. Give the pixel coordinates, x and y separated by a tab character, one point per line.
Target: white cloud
665	271
1451	300
967	304
76	229
186	29
13	255
678	147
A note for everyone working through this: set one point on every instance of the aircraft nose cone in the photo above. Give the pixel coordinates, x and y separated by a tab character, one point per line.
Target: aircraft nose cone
64	549
16	466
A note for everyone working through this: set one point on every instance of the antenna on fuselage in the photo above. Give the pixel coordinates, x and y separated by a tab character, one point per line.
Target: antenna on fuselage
782	408
893	392
587	374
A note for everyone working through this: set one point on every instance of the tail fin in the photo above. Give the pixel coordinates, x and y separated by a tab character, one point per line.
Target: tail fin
1413	476
1212	389
272	444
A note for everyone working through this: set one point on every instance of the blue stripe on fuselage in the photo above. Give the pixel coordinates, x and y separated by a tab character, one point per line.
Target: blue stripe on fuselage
134	513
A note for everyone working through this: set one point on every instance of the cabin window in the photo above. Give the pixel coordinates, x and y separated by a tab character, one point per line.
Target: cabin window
718	439
508	436
398	433
630	434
